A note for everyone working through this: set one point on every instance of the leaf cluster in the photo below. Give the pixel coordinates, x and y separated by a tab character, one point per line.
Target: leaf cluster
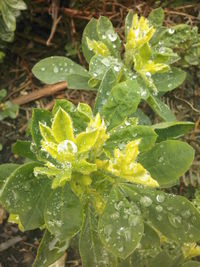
100	175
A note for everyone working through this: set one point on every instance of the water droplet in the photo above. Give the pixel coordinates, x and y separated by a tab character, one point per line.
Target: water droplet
148	74
120	249
103	36
175	220
146	201
160	198
169	85
159	218
112	36
186	214
67	146
171	31
117	68
55	69
43	69
160	159
159	208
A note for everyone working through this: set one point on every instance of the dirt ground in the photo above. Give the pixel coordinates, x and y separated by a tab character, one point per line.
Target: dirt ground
62	27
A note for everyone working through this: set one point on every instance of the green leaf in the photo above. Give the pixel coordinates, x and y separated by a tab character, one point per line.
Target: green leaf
57	69
128	22
16	4
120	225
64	104
50	250
191	264
168	81
63	213
156	17
169	130
160	108
92	251
108	36
167	161
23	149
9	110
99	66
5	171
123	101
3	94
150	238
78	82
43	116
62	127
174	216
80	121
162	259
108	81
143	119
90	32
121	136
26	195
134	260
8	16
85	109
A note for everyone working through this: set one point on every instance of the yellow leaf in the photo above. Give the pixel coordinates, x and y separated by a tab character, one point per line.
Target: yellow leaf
86	140
62	127
98	47
46	133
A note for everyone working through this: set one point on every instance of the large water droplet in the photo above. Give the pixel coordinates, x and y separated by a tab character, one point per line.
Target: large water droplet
160	198
67	146
146	201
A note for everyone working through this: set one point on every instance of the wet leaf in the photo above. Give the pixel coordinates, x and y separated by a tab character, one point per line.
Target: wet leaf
168	81
122	101
57	69
160	108
167	161
39	116
171	130
62	127
156	17
26	195
108	36
63	213
108	81
23	149
50	250
92	251
90	32
120	225
122	135
5	171
174	216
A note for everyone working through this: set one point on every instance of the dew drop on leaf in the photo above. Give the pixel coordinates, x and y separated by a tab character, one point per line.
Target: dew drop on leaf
174	220
55	69
146	201
159	208
160	198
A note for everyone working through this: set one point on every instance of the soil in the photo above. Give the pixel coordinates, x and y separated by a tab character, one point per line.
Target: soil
33	30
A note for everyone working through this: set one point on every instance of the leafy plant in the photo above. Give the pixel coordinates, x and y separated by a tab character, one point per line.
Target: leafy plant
7	108
101	183
146	61
98	175
9	11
